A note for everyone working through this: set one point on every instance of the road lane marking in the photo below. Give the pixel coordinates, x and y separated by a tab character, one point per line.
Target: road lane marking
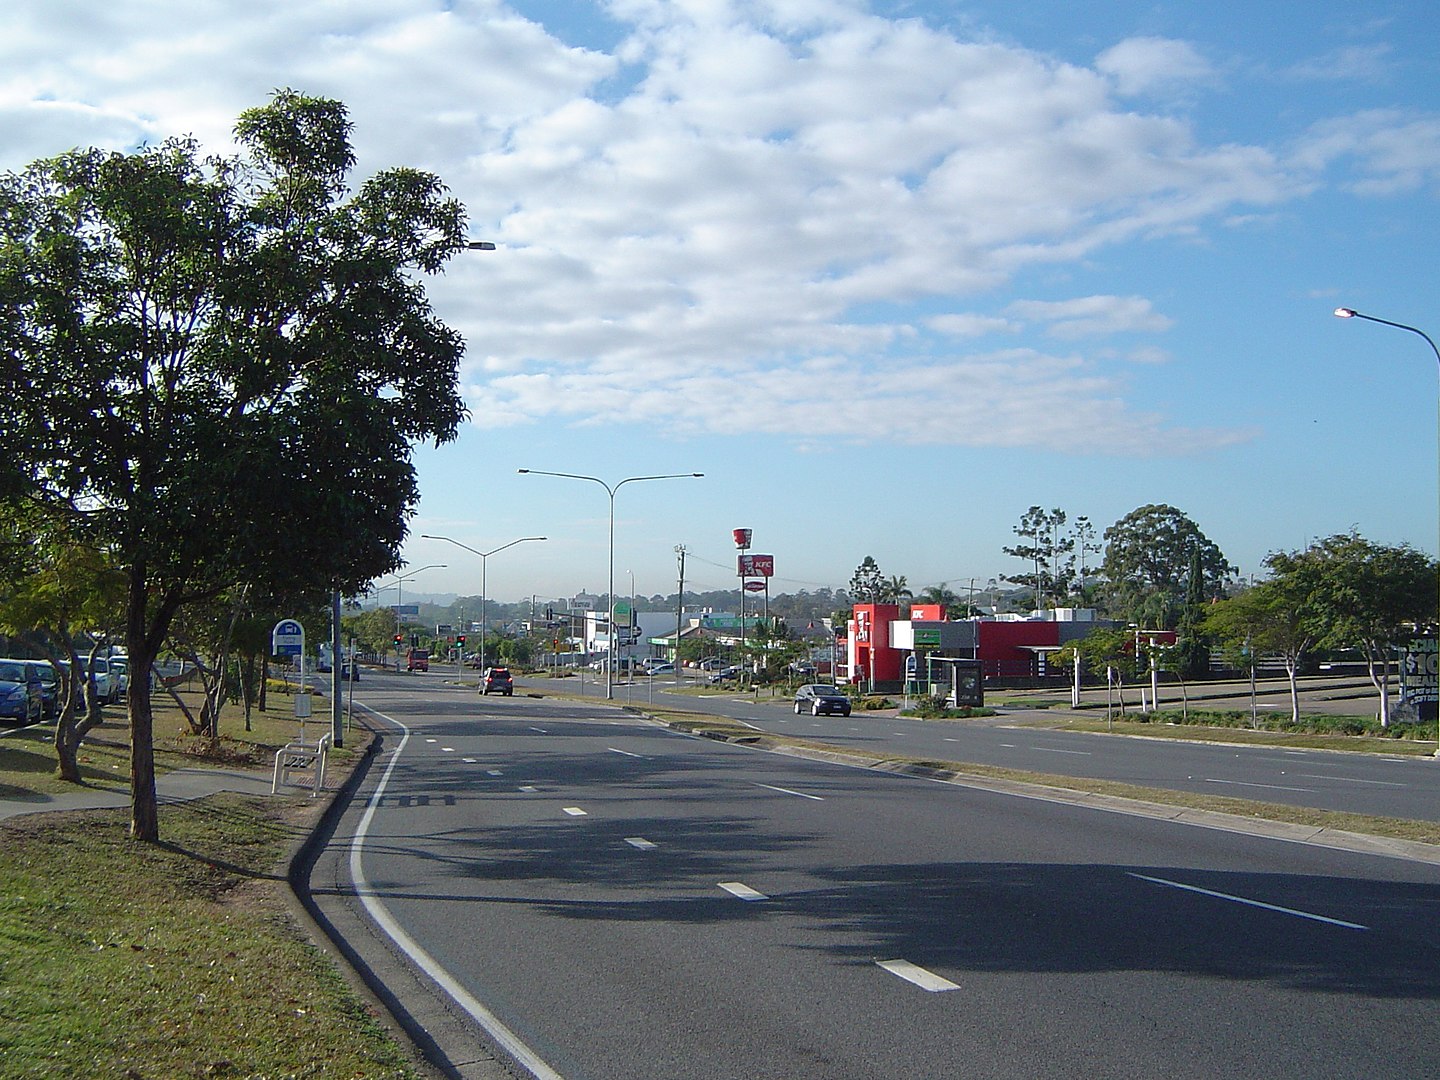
787	791
529	788
575	811
1268	787
370	898
541	730
469	760
741	890
493	772
1351	780
1052	750
641	843
1252	903
627	753
913	973
448	749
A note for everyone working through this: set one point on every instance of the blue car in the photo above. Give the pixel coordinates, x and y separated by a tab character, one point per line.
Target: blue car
20	692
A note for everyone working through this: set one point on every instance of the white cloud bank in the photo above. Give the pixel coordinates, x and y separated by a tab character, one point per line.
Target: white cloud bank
741	209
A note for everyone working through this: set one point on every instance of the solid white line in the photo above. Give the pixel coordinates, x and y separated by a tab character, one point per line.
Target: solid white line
627	753
423	960
1267	787
741	890
913	973
1251	903
641	843
575	811
787	791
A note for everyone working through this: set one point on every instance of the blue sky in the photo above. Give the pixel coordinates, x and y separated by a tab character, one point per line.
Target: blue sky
888	273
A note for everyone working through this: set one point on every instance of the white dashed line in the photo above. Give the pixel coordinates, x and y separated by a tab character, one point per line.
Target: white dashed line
913	973
1250	903
575	811
626	753
641	843
741	890
1268	787
787	791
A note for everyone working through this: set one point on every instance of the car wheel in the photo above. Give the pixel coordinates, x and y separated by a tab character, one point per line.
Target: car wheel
509	693
815	709
797	708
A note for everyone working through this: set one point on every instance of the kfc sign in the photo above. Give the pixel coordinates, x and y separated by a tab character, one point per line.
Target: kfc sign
756	566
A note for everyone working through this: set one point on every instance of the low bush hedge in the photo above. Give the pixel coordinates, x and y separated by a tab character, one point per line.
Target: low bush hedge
1309	723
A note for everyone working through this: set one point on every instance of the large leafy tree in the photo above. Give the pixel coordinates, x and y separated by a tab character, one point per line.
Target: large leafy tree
1278	617
215	368
1367	596
1148	555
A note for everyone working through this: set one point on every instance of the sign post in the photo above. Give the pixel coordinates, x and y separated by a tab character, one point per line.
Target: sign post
288	639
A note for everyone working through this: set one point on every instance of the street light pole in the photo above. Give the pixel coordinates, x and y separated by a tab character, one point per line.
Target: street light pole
611	489
484	564
399	584
1351	313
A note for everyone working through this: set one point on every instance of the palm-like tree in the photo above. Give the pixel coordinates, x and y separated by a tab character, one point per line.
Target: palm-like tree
895	589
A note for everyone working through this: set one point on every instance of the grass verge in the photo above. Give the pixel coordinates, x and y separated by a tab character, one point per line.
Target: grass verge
179	959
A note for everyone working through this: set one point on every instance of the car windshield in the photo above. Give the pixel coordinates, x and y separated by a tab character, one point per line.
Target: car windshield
11	672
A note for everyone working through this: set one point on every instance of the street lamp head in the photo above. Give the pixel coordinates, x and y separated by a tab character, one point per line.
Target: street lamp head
1345	313
480	245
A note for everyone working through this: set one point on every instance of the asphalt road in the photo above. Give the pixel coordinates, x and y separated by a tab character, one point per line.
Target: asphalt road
616	900
1397	786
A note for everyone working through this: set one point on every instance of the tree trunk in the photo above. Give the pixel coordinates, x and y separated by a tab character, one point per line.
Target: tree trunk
143	645
1381	682
1292	668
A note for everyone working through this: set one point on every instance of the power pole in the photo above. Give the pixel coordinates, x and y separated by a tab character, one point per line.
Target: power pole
679	608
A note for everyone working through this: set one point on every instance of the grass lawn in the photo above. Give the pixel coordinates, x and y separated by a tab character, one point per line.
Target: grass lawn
171	960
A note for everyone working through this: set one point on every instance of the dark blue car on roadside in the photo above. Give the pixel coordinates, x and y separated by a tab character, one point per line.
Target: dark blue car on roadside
21	692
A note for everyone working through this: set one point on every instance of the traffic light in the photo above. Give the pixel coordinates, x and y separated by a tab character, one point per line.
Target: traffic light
460	640
399	640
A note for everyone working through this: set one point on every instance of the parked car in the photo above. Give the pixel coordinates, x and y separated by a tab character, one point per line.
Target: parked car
661	668
20	692
713	663
120	677
803	668
822	699
725	674
497	680
49	687
417	660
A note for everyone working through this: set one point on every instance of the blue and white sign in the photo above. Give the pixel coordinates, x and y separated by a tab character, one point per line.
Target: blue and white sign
287	639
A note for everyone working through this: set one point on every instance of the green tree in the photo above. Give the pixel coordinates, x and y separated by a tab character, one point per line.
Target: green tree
1370	597
215	368
1147	561
1046	551
1277	618
895	589
1191	654
867	585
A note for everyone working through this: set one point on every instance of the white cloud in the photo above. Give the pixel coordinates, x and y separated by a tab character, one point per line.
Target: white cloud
1089	316
729	215
1148	64
1392	152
